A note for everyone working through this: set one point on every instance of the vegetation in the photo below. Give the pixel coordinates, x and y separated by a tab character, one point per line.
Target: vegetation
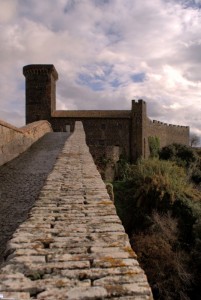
161	211
186	157
194	140
154	145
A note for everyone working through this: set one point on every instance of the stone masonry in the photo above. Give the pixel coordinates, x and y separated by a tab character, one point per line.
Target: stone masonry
73	245
21	181
14	141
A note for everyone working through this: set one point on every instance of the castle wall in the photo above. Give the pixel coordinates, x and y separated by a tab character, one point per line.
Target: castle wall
14	141
101	132
168	133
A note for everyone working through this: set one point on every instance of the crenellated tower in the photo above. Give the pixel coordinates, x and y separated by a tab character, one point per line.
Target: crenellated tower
40	91
138	130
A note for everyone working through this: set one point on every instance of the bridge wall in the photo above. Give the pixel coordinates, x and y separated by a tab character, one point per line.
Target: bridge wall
14	141
73	245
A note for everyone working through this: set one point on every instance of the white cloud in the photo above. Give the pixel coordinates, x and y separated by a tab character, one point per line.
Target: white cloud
8	10
110	41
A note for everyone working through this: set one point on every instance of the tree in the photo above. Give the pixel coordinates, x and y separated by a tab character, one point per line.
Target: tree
194	140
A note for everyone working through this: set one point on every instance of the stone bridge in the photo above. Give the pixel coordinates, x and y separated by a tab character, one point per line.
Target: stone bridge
72	245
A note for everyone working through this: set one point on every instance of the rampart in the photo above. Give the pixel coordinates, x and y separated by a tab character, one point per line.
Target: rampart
73	245
14	141
168	133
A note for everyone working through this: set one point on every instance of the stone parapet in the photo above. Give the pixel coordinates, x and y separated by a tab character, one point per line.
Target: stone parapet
110	114
14	141
73	245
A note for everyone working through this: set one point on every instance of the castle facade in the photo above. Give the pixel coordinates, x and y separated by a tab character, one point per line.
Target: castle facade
108	132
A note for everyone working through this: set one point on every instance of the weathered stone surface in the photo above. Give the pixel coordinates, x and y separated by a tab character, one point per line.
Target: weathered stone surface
14	140
73	245
20	183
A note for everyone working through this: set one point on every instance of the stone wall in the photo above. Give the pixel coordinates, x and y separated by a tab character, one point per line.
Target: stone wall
168	133
14	141
73	246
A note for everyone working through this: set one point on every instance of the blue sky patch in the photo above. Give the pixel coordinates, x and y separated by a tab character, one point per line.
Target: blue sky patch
97	76
94	83
190	3
115	83
138	77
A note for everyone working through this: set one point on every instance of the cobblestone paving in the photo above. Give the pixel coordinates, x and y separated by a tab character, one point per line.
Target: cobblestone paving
21	181
73	245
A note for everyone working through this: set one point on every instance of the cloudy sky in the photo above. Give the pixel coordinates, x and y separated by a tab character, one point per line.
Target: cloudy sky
106	52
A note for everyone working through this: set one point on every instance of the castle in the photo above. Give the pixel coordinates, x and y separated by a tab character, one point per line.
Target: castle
108	132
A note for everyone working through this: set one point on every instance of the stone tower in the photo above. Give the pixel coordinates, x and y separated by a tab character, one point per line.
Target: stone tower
40	91
138	130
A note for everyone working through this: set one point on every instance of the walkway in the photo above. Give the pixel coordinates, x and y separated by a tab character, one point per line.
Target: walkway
73	245
21	181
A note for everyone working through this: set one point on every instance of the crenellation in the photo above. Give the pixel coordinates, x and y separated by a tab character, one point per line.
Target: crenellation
40	69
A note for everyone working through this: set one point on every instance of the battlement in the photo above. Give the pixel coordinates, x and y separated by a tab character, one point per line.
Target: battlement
155	122
138	104
40	69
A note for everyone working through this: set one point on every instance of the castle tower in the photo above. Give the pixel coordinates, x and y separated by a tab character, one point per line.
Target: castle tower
40	91
138	130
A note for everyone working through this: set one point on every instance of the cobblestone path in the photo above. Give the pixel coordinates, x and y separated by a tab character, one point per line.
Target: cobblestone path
73	245
21	181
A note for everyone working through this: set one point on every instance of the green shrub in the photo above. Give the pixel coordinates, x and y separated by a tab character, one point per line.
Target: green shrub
149	185
123	167
154	145
169	254
196	176
183	155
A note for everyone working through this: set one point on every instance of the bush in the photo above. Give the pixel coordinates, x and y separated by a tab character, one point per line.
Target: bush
169	249
170	277
196	176
149	185
154	146
183	155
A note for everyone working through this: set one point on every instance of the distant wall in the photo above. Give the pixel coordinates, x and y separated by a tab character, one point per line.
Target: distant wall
101	132
14	141
168	133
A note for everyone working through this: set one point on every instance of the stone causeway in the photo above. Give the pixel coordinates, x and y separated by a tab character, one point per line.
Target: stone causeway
73	245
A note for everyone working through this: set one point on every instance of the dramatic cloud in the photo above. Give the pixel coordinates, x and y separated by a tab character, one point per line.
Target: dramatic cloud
106	52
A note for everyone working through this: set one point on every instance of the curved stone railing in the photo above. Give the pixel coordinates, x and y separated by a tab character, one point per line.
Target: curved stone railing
73	245
14	141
